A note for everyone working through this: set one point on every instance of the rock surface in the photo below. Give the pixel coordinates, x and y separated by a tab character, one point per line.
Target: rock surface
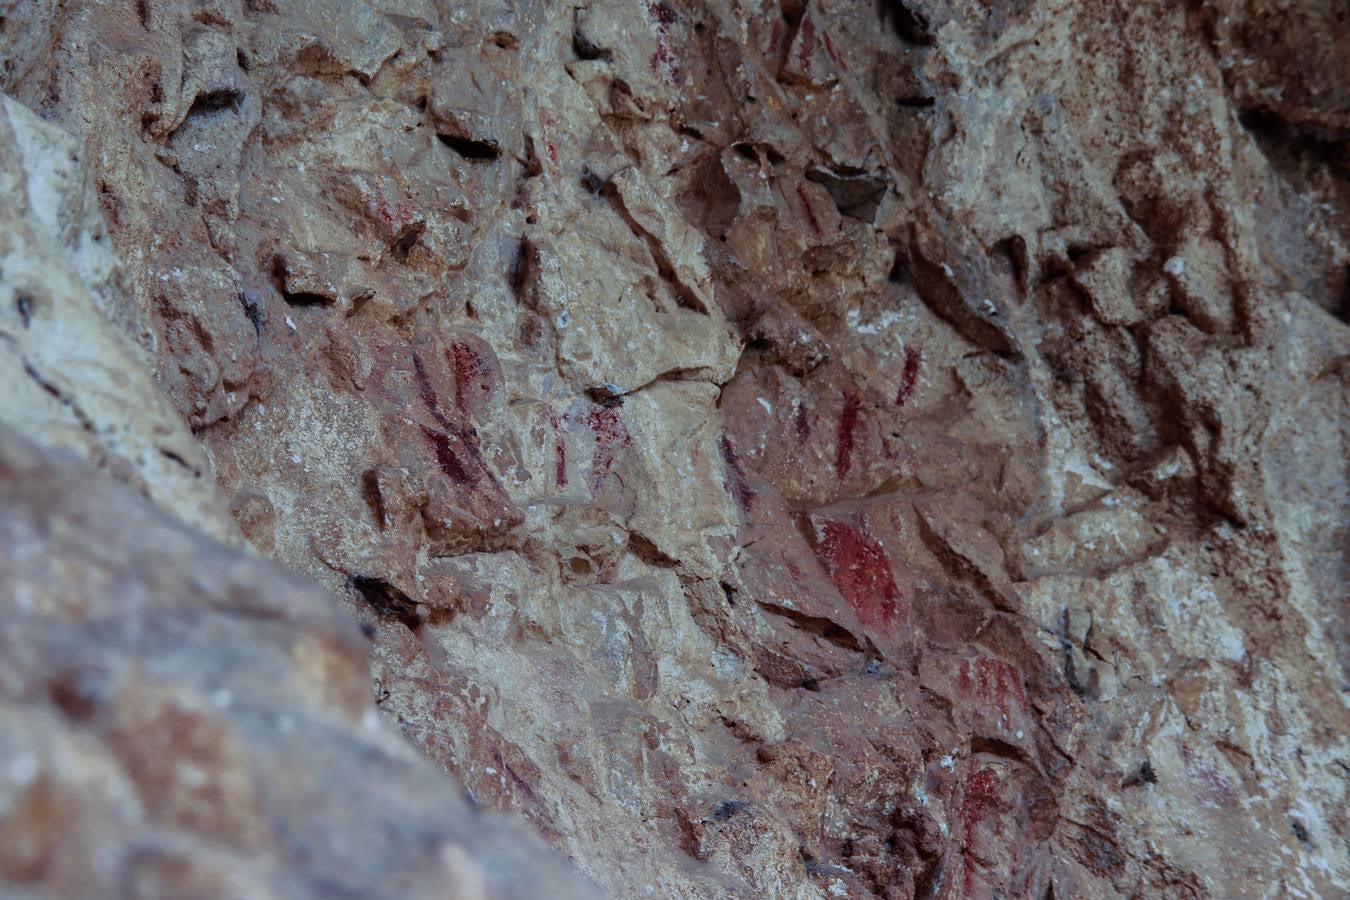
801	449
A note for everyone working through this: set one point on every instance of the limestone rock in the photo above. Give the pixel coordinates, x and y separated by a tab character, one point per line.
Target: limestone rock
794	449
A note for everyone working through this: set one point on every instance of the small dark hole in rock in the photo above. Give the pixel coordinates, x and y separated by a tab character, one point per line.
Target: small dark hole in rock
470	148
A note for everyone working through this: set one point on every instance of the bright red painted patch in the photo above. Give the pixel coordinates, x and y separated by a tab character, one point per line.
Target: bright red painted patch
861	570
844	437
909	376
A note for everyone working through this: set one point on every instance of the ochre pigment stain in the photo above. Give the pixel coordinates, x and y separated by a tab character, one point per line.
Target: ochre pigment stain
861	570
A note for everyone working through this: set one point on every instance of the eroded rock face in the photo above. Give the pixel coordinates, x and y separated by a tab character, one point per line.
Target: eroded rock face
799	450
182	720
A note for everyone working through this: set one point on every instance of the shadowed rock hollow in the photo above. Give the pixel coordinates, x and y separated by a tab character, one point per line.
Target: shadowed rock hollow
806	449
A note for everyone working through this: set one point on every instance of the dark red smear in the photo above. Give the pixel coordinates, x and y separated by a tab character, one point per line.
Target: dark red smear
848	424
447	458
559	451
810	213
981	796
427	392
610	434
804	52
861	570
802	424
909	376
467	366
774	36
736	485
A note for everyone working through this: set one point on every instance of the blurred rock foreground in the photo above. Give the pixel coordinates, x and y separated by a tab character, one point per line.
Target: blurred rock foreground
814	449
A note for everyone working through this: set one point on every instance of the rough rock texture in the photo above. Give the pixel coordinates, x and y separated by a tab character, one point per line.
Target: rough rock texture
204	730
800	449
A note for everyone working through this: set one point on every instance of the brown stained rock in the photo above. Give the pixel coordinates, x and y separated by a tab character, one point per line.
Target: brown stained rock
183	720
798	449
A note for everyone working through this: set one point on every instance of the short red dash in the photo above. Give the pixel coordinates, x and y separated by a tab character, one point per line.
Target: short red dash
845	435
909	375
810	213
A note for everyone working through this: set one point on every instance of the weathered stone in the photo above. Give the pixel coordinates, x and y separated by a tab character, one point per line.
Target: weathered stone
803	449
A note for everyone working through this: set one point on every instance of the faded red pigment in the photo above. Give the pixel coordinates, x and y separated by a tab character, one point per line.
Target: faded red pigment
981	795
450	460
736	483
802	424
861	570
610	435
559	451
999	685
402	213
467	368
806	205
663	60
808	43
909	375
829	48
845	435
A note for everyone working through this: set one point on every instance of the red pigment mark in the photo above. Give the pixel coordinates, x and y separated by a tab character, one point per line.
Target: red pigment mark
793	569
402	213
981	796
810	213
808	37
467	366
428	393
802	424
1000	683
774	36
546	123
662	61
1219	790
829	48
861	570
844	436
559	451
737	485
908	376
447	458
610	434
